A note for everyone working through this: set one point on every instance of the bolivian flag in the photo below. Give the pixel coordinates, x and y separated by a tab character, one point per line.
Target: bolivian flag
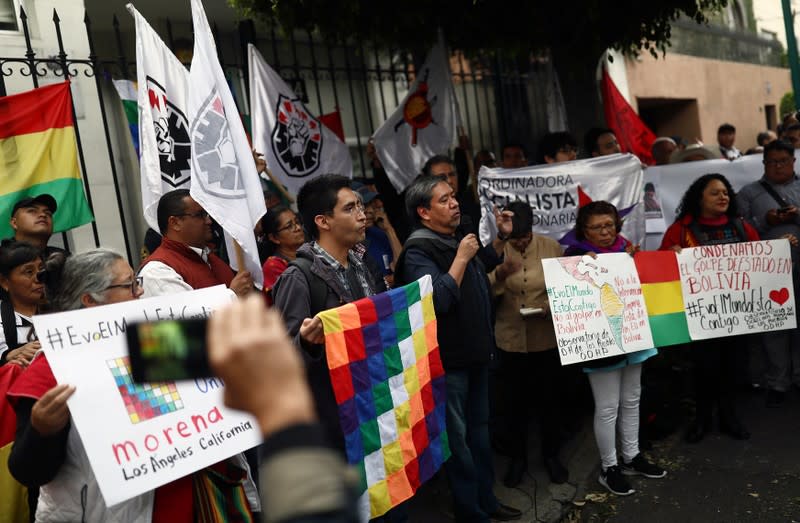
14	496
38	154
661	288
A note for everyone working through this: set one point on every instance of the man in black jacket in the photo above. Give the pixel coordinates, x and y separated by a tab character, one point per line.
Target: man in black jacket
465	328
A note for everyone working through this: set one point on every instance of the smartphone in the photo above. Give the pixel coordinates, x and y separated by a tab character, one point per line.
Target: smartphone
168	350
784	210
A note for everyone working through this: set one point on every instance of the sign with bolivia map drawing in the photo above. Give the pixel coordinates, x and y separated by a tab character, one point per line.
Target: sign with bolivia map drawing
597	306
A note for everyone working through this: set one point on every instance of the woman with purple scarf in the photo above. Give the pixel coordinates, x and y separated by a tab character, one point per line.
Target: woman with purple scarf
616	380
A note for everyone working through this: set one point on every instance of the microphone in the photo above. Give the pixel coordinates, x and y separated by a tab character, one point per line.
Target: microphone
467	226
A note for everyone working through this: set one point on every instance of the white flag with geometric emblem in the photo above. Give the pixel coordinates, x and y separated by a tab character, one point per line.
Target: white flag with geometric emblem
423	125
295	144
163	89
224	178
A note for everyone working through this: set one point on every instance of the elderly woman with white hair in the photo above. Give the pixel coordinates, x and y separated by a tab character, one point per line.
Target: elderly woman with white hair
48	453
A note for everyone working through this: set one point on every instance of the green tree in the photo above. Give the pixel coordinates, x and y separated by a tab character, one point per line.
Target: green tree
787	104
575	32
585	27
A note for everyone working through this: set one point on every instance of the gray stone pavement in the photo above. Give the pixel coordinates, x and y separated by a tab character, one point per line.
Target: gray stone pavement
718	479
539	500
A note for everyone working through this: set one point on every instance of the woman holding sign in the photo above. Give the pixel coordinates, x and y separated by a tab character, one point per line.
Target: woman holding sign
707	215
616	380
48	453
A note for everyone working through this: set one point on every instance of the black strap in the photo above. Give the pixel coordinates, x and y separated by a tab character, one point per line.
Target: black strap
9	320
775	196
317	288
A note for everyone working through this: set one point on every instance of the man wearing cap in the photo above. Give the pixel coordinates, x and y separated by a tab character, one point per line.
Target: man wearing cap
32	221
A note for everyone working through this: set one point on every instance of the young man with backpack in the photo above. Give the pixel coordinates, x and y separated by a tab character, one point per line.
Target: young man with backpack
329	271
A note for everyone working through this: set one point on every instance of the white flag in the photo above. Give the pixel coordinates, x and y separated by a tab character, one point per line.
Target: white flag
423	125
295	144
224	178
163	127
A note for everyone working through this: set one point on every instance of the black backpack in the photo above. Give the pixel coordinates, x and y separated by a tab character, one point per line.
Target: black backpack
317	288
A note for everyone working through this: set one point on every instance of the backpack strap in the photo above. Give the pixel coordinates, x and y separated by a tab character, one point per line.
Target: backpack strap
317	288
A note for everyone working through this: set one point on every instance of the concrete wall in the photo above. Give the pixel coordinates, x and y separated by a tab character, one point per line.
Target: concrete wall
725	92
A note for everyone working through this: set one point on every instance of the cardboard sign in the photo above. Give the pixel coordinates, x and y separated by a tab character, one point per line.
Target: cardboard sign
597	306
140	436
737	288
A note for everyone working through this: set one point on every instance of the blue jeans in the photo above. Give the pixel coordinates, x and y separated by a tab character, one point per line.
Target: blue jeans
469	470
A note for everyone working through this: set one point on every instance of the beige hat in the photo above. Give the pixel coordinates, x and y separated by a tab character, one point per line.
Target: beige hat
695	152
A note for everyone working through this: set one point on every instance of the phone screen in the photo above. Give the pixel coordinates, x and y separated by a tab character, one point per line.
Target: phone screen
168	350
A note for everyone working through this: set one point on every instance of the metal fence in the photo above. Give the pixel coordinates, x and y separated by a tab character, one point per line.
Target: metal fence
499	99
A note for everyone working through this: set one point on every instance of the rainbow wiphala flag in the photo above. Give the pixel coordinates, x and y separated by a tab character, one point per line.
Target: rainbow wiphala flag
389	384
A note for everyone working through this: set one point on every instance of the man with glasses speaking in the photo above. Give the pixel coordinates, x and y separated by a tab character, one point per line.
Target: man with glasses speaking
183	262
771	205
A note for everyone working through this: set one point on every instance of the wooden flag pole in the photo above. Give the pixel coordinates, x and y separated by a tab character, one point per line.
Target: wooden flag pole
239	256
279	185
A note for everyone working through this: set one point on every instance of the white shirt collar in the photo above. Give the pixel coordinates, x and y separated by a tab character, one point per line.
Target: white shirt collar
203	253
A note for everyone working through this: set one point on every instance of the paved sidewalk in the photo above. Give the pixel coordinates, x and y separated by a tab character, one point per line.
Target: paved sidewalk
718	479
539	500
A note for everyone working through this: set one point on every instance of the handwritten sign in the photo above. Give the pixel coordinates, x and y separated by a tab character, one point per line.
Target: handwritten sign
597	306
737	288
138	437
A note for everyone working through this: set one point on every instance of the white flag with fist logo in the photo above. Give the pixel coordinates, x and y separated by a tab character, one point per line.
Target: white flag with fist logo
163	87
295	144
224	178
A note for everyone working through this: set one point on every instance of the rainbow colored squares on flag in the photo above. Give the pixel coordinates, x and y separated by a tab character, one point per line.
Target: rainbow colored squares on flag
389	384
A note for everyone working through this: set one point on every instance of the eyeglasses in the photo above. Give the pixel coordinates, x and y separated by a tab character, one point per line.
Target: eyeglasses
294	224
199	214
133	285
601	227
779	163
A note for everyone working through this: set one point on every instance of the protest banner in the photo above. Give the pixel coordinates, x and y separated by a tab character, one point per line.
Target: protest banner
665	185
737	288
556	191
597	306
140	436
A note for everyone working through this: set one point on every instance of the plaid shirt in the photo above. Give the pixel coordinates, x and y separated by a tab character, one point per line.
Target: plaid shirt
354	257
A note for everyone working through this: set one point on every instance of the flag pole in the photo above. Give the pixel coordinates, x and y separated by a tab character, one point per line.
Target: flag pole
239	255
279	185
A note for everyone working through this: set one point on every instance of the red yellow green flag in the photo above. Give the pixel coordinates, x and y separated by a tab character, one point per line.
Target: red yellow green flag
661	288
38	154
14	496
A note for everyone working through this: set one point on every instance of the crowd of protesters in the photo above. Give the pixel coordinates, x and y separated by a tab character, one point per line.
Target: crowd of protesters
347	240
